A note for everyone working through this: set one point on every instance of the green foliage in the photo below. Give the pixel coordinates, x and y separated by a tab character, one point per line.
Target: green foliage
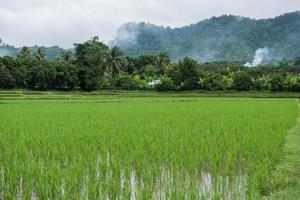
292	83
6	79
90	58
114	62
66	75
186	75
165	84
242	82
229	38
128	82
91	53
88	79
277	82
215	82
262	83
51	53
111	145
96	66
150	71
40	55
67	56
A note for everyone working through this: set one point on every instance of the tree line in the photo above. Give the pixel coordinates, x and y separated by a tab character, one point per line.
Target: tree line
93	65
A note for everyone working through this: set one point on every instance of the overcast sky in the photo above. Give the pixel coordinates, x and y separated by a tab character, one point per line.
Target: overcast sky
63	22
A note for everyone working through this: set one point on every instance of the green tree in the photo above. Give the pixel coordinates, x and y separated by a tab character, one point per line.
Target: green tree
213	82
87	79
163	62
67	56
114	62
24	53
90	61
66	75
188	75
165	84
17	70
40	54
6	79
262	82
243	82
277	82
91	53
291	82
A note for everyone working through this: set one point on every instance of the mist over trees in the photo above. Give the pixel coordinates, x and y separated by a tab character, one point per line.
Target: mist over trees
228	37
94	65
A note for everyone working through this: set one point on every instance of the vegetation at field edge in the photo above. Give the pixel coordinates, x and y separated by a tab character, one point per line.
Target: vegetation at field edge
94	65
284	183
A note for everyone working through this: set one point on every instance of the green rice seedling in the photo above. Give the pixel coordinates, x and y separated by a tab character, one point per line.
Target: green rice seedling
141	148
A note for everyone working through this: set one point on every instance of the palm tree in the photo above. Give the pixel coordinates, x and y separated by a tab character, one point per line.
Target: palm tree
113	62
24	53
39	54
162	62
66	55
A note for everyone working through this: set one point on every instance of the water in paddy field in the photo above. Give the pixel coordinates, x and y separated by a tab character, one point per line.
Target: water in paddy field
163	186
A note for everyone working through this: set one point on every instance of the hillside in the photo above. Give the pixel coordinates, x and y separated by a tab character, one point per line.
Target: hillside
232	38
51	52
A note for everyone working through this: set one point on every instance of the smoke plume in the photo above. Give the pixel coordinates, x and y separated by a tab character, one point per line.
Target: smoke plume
261	54
127	35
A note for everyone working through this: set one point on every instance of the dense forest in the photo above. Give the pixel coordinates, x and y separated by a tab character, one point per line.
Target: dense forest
94	65
228	37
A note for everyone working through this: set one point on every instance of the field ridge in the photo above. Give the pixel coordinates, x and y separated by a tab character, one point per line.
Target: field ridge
285	180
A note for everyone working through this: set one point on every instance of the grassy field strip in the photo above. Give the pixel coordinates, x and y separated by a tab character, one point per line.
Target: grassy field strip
13	94
285	180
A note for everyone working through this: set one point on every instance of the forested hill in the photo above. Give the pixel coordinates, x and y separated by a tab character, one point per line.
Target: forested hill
50	52
231	38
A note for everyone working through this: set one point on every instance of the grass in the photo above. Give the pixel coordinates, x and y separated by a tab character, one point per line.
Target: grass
284	183
122	146
31	94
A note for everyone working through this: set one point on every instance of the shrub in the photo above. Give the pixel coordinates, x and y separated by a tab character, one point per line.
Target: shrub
277	83
128	82
242	82
215	82
292	83
166	84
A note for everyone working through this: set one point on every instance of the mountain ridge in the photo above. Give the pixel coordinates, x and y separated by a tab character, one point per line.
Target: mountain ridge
227	37
221	38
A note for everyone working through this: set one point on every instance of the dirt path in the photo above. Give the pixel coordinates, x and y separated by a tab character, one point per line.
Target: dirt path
285	181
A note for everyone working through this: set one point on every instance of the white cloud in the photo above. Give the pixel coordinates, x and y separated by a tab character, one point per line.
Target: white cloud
64	22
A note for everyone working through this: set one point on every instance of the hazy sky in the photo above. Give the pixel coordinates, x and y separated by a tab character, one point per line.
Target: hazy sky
63	22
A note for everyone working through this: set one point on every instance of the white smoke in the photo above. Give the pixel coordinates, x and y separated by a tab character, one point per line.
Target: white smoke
127	35
261	54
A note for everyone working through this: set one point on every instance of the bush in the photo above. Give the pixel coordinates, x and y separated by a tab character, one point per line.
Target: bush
105	84
166	84
242	82
262	83
277	83
128	82
215	82
292	83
